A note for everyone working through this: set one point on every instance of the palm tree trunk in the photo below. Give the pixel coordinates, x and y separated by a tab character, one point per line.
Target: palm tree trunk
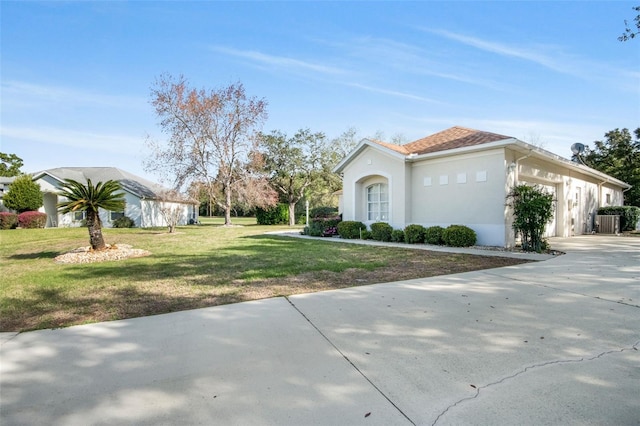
95	231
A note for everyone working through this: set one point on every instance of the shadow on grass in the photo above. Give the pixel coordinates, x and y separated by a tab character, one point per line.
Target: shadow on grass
55	307
36	255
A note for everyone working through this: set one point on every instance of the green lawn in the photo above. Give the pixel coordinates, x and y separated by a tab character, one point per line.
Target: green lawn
195	267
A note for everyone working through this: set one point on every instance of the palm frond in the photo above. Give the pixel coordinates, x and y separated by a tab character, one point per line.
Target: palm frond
87	197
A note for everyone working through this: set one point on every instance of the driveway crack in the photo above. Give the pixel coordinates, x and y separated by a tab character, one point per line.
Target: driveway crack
633	347
349	361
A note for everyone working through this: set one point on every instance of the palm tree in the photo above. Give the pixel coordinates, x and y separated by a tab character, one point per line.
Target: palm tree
90	198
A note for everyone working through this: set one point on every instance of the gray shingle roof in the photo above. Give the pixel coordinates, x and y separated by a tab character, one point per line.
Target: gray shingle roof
136	185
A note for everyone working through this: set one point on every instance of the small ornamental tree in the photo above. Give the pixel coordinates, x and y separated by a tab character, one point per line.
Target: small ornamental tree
24	195
532	211
90	198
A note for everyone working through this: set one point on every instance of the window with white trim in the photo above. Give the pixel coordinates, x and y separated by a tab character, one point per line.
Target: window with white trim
378	202
79	216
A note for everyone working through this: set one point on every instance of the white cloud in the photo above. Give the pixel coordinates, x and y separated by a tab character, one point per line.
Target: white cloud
25	94
58	138
392	93
289	64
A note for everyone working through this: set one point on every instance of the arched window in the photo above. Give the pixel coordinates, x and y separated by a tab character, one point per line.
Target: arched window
378	202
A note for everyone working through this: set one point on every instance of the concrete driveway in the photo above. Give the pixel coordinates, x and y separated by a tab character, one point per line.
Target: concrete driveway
554	342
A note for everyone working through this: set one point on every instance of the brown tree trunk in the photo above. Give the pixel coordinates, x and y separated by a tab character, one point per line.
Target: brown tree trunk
95	231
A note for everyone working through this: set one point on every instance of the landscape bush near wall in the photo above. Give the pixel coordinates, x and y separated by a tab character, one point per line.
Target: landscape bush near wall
351	230
8	220
629	215
459	236
32	220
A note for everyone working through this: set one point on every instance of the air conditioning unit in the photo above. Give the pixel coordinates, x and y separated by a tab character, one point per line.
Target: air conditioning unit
608	224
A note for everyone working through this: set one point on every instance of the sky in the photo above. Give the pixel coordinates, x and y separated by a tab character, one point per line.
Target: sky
76	77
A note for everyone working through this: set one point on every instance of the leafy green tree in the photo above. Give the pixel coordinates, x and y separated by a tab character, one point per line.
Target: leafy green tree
618	155
10	164
532	211
90	198
293	163
23	195
630	33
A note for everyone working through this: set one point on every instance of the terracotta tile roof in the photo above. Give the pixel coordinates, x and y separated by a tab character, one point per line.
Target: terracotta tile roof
454	137
398	148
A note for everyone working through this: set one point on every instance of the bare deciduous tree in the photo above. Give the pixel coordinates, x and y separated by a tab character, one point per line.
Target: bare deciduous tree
211	135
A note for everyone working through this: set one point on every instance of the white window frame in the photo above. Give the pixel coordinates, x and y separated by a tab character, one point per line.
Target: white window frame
377	202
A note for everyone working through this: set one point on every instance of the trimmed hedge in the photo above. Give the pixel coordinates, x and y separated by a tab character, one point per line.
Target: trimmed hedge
433	235
8	220
278	215
459	236
32	220
381	231
629	215
350	229
414	234
397	236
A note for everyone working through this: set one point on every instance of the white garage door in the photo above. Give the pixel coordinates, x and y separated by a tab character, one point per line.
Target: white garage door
550	230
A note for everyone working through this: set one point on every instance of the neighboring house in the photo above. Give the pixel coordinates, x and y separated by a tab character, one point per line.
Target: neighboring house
462	176
5	183
143	199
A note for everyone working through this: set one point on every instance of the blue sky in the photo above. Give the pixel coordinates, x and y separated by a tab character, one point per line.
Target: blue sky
76	77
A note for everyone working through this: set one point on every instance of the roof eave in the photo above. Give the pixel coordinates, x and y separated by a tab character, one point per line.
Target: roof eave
362	145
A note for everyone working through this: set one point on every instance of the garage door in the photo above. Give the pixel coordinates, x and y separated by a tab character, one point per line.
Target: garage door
550	230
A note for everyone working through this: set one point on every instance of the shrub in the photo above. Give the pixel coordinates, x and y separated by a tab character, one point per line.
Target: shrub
322	227
366	235
629	215
532	210
414	234
8	220
323	212
381	231
23	195
459	236
123	222
32	220
277	215
350	229
433	235
397	236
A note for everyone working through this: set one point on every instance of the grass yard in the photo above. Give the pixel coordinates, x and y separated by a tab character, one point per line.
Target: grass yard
198	266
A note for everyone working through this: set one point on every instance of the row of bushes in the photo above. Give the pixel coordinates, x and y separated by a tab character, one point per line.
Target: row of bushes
629	215
454	235
23	220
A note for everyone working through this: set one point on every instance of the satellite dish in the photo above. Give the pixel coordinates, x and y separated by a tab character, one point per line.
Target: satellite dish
577	148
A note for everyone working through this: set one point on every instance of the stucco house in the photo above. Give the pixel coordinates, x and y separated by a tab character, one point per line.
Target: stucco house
462	176
143	198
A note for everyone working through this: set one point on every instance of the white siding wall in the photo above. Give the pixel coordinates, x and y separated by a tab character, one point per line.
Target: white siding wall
151	216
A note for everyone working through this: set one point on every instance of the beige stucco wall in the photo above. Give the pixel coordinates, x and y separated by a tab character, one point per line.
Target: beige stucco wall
466	189
470	189
369	167
578	195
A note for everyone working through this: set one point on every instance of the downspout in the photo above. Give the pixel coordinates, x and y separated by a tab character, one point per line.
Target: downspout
515	168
